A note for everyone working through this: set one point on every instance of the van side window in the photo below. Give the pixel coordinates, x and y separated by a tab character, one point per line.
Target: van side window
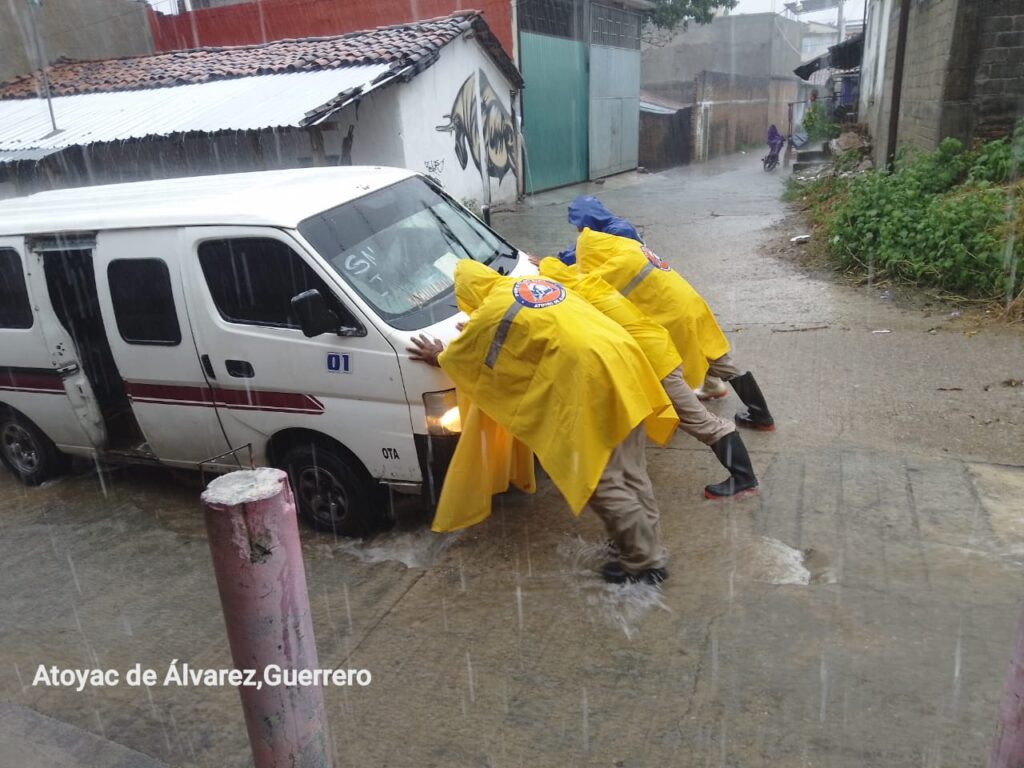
140	290
15	310
253	279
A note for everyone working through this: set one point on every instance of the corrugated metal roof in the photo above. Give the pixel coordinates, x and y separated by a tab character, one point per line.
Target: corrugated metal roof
243	104
25	155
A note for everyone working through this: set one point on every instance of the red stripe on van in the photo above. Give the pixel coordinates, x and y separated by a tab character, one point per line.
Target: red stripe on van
31	380
233	399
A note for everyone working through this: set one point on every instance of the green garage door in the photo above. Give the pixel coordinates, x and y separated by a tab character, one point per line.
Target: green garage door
555	110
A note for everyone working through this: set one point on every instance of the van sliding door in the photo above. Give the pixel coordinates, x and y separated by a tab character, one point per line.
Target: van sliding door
40	374
139	282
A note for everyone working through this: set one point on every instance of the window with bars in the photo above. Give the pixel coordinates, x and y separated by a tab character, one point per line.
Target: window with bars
558	18
615	27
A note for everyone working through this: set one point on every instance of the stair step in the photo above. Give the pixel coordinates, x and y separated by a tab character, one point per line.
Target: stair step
806	166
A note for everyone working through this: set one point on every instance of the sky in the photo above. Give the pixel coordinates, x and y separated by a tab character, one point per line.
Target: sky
854	10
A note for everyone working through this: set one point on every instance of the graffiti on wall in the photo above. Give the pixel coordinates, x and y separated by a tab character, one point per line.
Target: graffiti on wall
498	130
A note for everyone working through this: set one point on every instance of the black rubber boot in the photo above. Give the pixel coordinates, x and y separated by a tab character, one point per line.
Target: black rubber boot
755	415
614	573
731	451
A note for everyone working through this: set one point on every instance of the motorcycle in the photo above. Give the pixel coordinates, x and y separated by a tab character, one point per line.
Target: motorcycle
776	143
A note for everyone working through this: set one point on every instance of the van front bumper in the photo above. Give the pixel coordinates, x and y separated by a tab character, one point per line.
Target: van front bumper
435	455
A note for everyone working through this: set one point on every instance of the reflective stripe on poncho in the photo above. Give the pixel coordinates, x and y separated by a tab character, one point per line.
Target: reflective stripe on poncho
659	292
559	376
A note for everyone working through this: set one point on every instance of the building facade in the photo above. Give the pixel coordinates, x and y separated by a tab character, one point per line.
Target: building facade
963	74
439	97
579	58
737	73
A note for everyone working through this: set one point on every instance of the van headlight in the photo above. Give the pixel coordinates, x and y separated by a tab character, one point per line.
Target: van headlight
442	413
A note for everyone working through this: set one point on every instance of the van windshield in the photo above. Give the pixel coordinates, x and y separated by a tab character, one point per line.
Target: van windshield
398	247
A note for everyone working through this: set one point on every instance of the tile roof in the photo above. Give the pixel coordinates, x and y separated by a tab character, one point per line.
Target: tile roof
416	43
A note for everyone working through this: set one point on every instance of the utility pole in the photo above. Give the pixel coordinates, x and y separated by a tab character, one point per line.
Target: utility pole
32	5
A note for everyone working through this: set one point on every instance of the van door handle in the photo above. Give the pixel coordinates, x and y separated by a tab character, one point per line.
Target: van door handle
240	369
208	367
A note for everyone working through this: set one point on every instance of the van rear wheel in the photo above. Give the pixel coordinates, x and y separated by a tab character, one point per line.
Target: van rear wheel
330	493
26	451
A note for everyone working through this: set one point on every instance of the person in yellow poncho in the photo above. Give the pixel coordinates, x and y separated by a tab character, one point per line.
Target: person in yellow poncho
576	389
694	419
668	299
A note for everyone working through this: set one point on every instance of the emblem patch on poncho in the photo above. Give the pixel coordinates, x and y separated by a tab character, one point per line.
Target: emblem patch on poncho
536	293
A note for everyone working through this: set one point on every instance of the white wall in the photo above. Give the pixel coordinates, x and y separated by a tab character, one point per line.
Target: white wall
427	103
872	72
377	136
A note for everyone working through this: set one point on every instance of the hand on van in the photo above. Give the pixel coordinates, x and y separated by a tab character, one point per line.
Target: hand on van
426	350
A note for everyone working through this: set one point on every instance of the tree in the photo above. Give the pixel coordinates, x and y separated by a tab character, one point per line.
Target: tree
662	21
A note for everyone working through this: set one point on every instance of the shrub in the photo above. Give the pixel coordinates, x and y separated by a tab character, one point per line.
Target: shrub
942	218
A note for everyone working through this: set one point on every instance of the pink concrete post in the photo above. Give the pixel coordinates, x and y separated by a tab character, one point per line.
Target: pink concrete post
254	540
1008	750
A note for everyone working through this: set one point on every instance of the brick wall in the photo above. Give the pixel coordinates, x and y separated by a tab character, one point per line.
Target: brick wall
665	139
249	22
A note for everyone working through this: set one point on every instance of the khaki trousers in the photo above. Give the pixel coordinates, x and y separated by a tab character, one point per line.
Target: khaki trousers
723	368
694	419
624	500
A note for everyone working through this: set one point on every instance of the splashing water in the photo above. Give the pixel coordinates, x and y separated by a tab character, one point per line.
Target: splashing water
413	549
617	605
772	562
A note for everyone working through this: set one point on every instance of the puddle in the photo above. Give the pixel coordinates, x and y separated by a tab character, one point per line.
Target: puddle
622	606
770	561
420	548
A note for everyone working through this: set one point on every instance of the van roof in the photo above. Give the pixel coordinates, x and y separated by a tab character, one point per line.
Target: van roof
268	198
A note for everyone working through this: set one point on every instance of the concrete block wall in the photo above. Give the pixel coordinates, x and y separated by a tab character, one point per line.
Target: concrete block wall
732	112
963	75
998	82
929	43
96	29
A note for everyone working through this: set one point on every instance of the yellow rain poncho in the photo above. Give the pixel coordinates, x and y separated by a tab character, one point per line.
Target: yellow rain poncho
560	377
660	293
487	461
653	339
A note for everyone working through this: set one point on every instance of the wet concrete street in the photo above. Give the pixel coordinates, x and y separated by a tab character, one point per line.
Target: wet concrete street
858	612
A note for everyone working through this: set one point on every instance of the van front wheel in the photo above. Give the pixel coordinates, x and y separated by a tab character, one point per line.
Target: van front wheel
26	451
329	493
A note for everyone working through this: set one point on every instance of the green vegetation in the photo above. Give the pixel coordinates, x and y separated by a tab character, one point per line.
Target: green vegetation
818	124
668	15
951	219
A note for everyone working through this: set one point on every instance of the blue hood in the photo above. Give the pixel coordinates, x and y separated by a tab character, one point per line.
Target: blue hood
588	211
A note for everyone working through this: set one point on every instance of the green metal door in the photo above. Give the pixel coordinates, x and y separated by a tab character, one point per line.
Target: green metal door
555	109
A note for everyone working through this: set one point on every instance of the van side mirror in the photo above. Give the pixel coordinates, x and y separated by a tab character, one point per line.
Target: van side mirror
316	318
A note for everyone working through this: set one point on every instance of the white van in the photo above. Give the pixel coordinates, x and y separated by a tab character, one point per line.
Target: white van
176	321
